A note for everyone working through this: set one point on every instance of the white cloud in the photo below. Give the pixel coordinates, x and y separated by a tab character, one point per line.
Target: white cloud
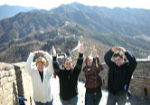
47	4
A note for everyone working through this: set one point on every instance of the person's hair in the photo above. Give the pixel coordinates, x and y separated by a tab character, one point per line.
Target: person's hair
87	58
118	54
67	58
40	59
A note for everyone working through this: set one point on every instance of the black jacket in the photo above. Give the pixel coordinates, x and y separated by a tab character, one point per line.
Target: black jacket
119	76
68	79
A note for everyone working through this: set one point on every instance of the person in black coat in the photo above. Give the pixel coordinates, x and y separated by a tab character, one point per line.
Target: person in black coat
121	67
68	77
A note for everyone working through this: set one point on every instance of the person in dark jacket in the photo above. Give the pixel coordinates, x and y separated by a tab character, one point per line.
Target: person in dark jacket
68	77
93	80
121	67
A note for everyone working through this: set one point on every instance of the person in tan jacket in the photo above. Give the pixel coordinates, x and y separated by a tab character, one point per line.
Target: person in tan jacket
93	80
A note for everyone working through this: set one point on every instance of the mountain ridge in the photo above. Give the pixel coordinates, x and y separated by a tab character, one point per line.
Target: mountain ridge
125	27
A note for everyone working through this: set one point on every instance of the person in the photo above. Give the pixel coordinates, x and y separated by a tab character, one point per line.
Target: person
68	77
93	80
40	73
121	65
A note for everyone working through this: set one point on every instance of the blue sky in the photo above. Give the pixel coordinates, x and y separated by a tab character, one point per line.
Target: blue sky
48	4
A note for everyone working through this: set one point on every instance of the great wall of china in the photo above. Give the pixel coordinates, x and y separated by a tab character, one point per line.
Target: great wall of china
14	82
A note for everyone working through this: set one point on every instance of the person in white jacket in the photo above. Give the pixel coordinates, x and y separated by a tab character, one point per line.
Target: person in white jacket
40	72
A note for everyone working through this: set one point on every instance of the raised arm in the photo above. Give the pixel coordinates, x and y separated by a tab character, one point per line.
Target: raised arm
108	57
78	66
49	59
79	63
29	63
100	67
97	65
56	67
132	66
131	59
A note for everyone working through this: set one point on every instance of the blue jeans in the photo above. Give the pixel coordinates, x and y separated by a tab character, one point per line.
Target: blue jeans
120	98
72	101
40	103
92	98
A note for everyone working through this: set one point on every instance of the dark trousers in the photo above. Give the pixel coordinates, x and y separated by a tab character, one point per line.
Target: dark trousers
93	98
120	98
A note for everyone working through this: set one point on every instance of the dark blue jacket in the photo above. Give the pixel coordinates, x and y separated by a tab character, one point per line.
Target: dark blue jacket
119	76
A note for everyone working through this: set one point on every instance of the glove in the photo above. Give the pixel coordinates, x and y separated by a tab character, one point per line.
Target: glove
125	87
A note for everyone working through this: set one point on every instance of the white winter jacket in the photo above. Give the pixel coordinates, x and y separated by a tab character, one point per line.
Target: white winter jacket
41	90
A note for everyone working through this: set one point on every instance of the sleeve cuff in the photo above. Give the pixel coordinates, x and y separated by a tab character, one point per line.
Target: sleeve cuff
94	60
98	61
80	55
54	58
126	53
111	51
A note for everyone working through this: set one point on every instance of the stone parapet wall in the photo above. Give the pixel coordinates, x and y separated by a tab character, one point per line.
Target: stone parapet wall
8	85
